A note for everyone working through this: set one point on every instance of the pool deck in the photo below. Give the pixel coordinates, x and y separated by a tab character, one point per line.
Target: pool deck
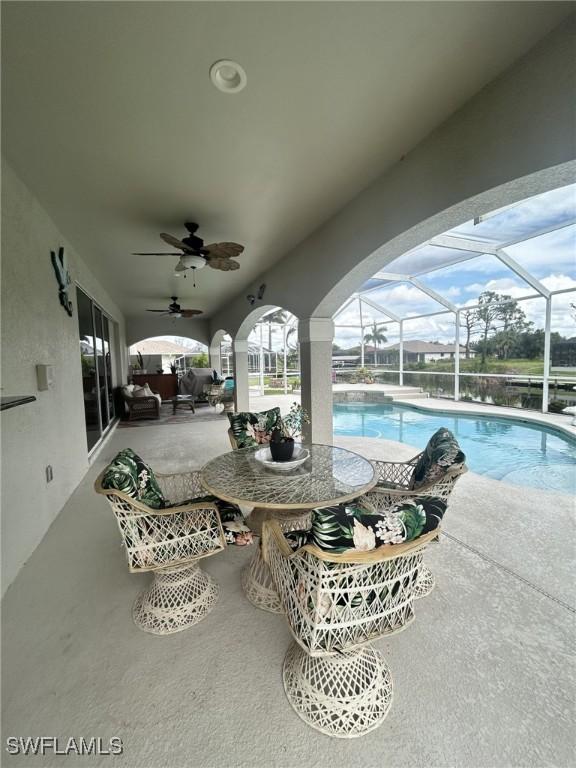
483	677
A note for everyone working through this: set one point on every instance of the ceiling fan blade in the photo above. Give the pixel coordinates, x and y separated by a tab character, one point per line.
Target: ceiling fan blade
163	311
190	312
224	250
175	243
225	265
157	254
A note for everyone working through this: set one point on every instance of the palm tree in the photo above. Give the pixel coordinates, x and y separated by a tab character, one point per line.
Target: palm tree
376	337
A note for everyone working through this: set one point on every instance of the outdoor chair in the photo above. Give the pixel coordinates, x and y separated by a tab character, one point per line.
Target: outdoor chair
222	394
431	473
248	430
335	605
141	402
168	540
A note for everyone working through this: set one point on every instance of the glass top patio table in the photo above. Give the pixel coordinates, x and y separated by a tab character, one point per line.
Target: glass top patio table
329	476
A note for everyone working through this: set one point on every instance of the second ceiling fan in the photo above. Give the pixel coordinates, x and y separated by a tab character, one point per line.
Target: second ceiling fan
175	310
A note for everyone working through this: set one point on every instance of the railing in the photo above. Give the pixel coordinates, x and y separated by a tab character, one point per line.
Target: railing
505	389
271	383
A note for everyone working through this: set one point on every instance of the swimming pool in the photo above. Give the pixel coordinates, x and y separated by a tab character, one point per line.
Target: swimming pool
504	449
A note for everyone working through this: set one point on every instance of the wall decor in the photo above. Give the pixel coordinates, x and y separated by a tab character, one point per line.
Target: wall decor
63	278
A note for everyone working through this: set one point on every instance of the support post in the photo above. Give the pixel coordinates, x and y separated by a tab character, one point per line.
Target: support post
457	356
262	363
241	382
285	374
361	334
547	327
401	352
215	358
316	335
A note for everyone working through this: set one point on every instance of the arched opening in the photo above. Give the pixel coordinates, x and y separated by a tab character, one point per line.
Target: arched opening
483	313
269	339
167	354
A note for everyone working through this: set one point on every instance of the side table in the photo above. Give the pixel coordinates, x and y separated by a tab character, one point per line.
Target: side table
183	400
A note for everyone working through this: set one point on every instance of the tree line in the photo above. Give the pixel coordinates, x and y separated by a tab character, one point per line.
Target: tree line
498	327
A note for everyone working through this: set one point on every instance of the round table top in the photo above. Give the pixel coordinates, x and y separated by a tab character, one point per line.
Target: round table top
329	476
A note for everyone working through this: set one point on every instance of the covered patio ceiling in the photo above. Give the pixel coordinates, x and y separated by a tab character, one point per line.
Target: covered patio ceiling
110	118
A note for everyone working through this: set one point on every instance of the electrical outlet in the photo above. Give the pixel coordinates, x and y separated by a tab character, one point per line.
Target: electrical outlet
49	474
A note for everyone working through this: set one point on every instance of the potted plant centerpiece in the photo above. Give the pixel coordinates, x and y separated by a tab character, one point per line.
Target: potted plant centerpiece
286	429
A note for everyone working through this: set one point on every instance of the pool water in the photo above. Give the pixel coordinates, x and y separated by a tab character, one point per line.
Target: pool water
503	449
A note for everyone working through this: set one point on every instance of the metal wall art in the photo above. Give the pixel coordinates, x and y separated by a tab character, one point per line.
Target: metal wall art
63	278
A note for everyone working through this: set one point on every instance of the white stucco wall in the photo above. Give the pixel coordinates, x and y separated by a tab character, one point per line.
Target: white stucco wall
36	329
150	326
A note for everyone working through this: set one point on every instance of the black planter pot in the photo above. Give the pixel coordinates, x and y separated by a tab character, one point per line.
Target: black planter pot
282	451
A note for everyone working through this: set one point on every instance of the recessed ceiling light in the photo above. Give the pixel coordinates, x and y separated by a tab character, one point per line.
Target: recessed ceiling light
228	76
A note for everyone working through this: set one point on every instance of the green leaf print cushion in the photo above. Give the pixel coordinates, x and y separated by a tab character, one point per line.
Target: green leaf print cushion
251	429
441	454
352	528
233	524
128	473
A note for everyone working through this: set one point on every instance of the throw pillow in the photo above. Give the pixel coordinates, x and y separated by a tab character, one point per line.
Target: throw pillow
235	529
297	539
441	454
351	527
251	429
128	473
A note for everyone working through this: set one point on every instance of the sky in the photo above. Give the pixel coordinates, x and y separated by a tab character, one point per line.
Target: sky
551	258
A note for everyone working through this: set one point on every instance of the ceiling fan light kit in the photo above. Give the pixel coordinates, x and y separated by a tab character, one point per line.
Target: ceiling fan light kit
228	76
190	261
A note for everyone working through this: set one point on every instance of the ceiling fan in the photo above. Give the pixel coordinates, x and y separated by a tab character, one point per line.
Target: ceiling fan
175	310
193	254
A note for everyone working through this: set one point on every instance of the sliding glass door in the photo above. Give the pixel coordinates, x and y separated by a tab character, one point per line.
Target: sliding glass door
95	354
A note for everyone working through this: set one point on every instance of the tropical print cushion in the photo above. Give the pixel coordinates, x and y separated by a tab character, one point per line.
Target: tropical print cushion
251	429
441	454
235	529
297	539
352	528
128	473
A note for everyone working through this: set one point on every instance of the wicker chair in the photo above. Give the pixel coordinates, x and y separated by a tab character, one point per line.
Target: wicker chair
335	605
141	407
395	485
257	581
170	542
222	394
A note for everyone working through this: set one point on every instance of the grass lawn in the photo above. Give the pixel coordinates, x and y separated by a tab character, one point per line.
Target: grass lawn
516	366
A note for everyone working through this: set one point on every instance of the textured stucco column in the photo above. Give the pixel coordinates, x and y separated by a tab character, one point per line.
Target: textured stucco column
316	335
242	389
215	358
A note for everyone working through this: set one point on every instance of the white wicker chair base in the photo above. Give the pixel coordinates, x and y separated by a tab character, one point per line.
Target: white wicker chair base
344	695
178	598
256	578
424	584
258	585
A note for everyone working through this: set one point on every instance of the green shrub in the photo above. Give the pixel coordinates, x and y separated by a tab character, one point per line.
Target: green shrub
556	406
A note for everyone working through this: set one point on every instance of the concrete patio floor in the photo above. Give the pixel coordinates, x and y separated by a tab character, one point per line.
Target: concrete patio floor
483	677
